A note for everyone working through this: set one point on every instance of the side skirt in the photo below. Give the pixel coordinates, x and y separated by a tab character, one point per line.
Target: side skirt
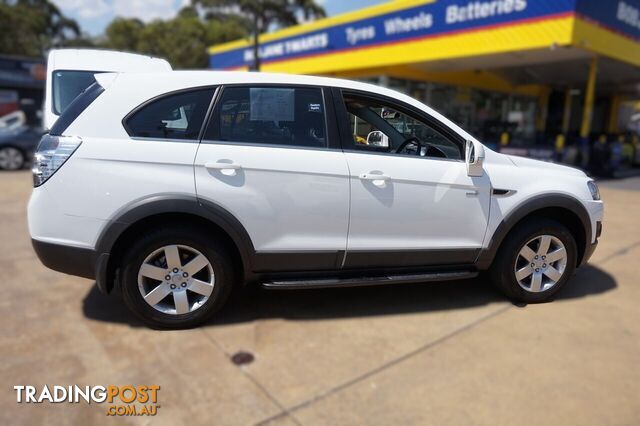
296	284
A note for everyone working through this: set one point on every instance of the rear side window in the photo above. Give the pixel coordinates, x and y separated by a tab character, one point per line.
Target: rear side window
271	116
174	116
75	108
67	85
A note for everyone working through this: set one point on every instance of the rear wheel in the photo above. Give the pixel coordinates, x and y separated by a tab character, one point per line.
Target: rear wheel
176	278
11	158
535	261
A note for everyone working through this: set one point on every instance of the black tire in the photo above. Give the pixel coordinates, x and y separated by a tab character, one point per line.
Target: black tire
502	271
216	253
13	157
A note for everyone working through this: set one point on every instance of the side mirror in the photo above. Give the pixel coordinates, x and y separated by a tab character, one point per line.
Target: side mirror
377	138
474	158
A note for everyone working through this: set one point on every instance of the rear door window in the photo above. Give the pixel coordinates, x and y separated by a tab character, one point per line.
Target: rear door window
174	116
279	115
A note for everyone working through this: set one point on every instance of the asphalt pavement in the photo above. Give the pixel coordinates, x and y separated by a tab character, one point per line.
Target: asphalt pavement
435	353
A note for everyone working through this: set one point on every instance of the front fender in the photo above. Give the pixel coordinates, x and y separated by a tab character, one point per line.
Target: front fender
526	208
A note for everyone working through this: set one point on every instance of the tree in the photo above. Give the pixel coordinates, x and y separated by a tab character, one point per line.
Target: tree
183	40
31	27
258	16
82	41
124	34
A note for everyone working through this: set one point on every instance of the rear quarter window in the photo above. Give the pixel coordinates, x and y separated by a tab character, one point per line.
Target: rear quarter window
172	116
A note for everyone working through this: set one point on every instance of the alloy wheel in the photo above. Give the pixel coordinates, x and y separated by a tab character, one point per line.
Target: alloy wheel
541	263
176	279
11	158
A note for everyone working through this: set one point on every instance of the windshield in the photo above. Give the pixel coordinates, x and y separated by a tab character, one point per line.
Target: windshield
67	85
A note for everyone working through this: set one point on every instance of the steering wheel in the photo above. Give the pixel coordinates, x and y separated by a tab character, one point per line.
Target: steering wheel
431	150
407	141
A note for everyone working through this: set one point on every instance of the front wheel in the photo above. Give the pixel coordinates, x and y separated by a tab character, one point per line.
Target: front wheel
176	278
535	261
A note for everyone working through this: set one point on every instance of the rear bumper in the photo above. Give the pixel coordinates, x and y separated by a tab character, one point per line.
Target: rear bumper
67	259
77	261
81	262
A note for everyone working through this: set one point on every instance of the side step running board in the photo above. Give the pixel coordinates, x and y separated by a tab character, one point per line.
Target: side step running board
366	281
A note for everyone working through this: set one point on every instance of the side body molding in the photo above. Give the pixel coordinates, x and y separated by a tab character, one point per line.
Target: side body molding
168	204
527	207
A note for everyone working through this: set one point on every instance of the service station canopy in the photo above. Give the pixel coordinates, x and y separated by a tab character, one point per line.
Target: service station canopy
522	41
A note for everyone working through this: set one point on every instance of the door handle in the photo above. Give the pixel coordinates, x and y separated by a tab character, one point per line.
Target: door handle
378	180
373	176
222	166
473	193
227	169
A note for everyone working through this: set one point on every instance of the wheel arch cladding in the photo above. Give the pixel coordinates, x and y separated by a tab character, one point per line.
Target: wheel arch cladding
562	208
168	210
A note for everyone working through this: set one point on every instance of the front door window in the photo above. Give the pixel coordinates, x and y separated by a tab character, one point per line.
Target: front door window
382	128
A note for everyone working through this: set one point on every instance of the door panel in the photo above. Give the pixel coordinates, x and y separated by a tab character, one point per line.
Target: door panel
287	199
424	204
266	159
412	203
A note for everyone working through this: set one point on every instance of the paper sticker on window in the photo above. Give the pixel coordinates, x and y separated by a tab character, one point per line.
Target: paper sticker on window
315	108
269	104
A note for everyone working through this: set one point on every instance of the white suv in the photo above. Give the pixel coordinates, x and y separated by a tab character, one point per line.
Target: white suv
177	186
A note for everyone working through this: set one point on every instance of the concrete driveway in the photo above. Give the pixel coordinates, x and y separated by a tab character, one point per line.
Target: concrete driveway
436	353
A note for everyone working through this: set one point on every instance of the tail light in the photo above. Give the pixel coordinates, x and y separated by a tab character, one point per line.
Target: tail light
52	153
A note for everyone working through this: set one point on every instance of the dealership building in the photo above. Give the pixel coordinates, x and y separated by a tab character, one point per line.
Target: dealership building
527	73
22	87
